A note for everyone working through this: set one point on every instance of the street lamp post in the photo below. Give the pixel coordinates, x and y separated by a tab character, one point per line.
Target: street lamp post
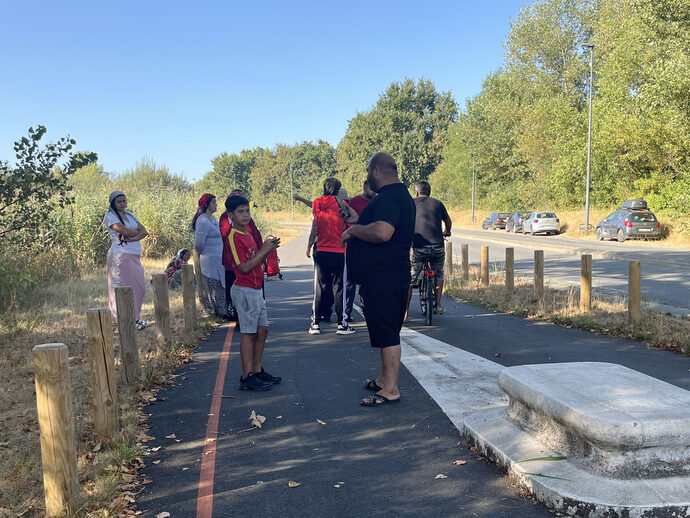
292	199
473	183
589	131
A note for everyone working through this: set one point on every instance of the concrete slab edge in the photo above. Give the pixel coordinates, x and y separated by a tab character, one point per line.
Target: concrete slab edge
561	485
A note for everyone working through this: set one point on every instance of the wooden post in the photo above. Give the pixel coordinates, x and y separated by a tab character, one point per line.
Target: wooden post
465	261
538	274
161	305
129	351
510	271
197	272
58	446
634	288
586	283
485	265
448	266
102	372
188	297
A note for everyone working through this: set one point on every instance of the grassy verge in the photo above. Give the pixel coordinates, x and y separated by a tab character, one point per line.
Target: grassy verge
570	225
57	313
562	307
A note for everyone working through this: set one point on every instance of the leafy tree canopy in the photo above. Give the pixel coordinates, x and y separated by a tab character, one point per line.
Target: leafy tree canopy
410	121
37	185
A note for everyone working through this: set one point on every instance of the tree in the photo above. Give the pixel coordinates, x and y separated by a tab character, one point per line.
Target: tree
149	175
410	121
37	185
231	171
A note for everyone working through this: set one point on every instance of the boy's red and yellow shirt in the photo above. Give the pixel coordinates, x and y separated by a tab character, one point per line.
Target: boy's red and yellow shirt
243	247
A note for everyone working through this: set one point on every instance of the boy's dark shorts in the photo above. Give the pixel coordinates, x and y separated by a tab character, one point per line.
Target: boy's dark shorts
384	311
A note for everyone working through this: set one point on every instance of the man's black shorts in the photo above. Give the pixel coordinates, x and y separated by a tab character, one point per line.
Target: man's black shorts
384	311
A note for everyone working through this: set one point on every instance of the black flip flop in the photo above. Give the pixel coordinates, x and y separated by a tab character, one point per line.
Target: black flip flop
372	385
378	400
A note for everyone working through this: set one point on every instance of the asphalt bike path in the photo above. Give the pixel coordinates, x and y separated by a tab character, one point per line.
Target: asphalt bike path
350	460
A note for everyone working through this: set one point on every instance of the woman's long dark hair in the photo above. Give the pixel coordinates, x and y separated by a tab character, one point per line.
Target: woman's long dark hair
112	207
199	212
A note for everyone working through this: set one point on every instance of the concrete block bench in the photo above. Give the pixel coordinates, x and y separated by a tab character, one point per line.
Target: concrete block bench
592	438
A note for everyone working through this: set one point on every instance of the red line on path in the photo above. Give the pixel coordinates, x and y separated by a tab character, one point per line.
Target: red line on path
204	502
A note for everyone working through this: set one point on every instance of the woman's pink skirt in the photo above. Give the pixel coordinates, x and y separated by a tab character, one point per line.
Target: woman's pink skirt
125	270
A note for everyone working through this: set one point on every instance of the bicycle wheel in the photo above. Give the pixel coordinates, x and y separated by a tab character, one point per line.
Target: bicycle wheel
429	289
422	293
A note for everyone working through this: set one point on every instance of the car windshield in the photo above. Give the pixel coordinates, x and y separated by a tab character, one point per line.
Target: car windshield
545	215
641	216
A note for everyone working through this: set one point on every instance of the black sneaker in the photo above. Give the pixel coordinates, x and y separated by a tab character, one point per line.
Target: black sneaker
252	382
265	376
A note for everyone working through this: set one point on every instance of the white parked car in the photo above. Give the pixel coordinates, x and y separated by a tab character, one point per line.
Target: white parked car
541	221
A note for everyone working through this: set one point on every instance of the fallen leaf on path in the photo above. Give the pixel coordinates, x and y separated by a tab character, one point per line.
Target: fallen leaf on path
210	439
320	422
256	419
227	397
178	440
156	462
156	448
146	481
171	436
336	485
277	417
440	475
497	355
473	448
97	447
185	469
292	483
459	462
164	514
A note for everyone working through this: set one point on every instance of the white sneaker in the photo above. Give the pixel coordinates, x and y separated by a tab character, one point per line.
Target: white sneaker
344	329
315	329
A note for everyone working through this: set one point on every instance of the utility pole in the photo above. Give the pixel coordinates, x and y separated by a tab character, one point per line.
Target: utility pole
473	184
589	131
292	199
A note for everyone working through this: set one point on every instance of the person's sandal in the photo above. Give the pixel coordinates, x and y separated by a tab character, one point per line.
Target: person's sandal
378	400
372	385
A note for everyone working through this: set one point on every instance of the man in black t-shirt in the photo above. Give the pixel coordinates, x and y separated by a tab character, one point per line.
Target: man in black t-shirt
378	257
428	240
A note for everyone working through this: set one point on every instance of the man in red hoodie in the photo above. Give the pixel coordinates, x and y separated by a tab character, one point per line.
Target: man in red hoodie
329	259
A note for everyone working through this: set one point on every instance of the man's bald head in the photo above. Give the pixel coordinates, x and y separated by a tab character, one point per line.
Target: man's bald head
381	171
384	161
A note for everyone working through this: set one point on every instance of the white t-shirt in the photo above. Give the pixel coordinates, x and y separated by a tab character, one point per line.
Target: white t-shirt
131	222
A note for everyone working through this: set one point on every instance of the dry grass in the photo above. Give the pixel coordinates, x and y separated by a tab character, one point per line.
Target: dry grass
570	225
58	314
562	307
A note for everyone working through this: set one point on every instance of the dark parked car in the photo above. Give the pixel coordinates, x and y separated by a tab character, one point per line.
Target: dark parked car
496	220
515	221
632	221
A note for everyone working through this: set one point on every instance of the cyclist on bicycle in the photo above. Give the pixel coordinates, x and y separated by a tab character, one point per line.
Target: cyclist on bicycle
428	239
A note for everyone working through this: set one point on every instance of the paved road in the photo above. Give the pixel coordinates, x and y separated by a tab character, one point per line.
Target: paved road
665	272
384	460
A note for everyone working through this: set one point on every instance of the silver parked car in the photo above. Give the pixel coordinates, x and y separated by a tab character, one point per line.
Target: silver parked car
541	221
632	221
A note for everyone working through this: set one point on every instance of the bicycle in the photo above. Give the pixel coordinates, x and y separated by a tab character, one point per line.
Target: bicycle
427	290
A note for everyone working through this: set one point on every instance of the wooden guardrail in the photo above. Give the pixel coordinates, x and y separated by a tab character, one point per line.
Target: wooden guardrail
53	392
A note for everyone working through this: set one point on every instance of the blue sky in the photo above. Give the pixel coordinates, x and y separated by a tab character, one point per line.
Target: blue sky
181	82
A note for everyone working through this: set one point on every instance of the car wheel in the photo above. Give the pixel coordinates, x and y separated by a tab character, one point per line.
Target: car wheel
493	227
600	236
620	235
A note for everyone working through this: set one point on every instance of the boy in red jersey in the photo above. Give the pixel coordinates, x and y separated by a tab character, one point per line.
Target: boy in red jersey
247	295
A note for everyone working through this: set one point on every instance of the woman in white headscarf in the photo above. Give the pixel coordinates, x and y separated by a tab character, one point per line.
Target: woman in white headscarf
124	263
